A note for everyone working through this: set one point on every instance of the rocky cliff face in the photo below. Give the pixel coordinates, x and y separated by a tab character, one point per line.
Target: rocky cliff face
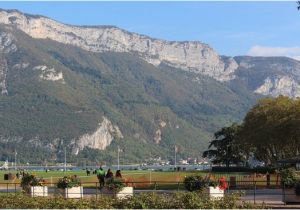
6	46
191	56
280	85
271	76
100	139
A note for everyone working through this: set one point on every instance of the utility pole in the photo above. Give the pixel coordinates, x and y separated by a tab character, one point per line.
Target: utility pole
150	175
65	160
16	160
175	151
118	158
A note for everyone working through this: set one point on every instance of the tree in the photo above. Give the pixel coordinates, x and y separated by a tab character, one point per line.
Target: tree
224	149
298	5
271	129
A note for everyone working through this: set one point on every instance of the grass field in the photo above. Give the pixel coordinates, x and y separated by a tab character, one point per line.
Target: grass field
143	179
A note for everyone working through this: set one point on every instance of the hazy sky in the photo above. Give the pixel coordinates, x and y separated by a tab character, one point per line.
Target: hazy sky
231	28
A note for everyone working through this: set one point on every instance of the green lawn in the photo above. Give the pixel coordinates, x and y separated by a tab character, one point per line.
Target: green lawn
143	179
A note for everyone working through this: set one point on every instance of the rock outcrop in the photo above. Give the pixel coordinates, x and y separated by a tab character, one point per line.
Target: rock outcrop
280	85
157	136
6	46
100	139
49	73
189	55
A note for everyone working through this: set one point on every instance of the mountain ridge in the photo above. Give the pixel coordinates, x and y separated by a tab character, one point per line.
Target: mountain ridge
192	56
56	93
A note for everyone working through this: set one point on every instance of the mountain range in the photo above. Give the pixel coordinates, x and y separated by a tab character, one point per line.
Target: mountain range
92	89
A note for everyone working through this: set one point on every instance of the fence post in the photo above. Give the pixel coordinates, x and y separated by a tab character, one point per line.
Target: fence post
268	179
228	188
155	186
283	193
178	186
15	188
96	190
254	193
7	188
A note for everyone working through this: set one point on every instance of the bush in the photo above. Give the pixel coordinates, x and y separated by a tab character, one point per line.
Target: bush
198	183
31	180
288	178
194	183
68	182
114	184
186	200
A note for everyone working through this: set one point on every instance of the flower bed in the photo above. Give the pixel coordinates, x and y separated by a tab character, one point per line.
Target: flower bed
207	185
115	187
34	186
70	187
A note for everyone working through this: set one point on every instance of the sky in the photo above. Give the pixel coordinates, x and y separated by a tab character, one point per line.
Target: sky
231	28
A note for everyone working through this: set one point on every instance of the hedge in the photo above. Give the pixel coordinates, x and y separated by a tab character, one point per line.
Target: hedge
186	200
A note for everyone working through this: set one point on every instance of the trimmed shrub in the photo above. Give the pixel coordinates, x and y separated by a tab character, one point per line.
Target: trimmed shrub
288	178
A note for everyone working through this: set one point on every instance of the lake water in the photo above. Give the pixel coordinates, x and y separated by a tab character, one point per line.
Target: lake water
123	167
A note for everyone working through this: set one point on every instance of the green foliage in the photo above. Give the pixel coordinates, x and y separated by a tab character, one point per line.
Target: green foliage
199	183
194	183
187	200
31	180
68	182
226	149
133	94
271	129
288	178
114	184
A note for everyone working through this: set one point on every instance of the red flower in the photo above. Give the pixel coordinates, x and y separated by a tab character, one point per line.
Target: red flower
222	183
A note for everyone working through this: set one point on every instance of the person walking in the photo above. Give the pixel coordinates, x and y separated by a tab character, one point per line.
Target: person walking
118	174
109	174
100	175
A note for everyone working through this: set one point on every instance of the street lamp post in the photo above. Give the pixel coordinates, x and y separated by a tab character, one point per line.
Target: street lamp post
65	160
175	157
118	158
16	160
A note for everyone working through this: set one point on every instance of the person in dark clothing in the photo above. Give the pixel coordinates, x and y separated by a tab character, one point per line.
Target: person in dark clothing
88	172
109	174
118	174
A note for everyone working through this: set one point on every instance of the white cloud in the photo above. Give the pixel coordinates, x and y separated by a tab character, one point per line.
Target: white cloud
292	52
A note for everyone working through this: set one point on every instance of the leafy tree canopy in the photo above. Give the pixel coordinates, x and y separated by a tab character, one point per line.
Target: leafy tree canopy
271	129
224	149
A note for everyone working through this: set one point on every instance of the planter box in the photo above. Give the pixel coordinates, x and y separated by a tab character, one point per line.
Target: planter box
74	192
214	192
36	191
125	192
290	196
